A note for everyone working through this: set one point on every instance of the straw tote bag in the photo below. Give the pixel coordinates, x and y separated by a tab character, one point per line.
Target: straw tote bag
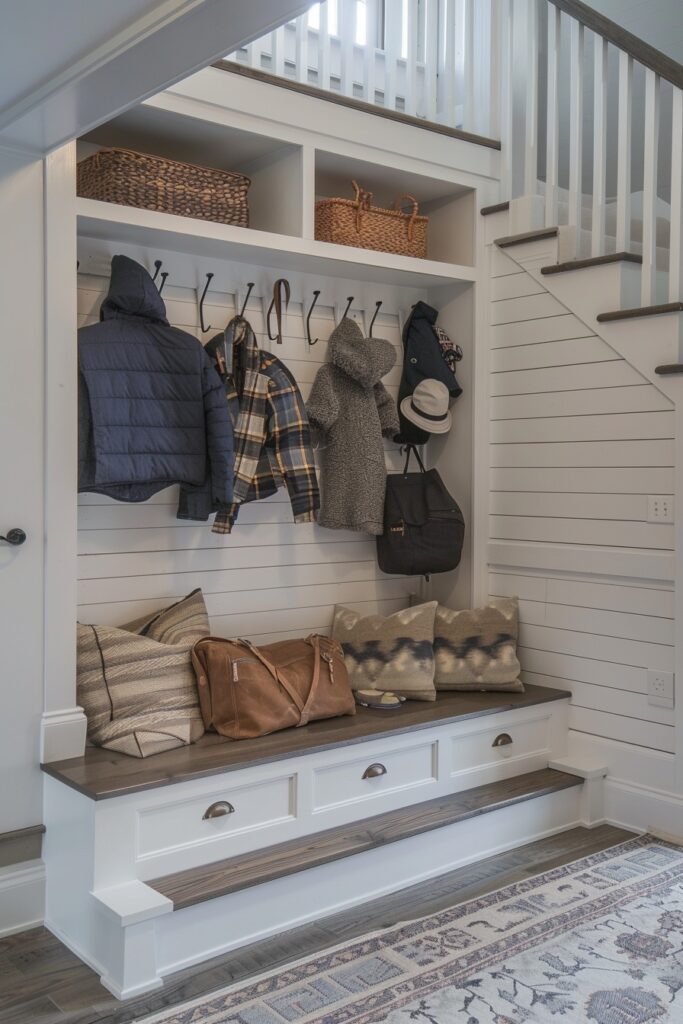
247	691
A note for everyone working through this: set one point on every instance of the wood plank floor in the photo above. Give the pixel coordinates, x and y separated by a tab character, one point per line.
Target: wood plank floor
41	982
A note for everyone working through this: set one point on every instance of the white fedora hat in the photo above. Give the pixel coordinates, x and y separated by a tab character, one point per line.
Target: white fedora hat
427	407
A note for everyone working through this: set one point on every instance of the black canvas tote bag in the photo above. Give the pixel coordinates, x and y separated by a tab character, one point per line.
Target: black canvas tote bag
423	525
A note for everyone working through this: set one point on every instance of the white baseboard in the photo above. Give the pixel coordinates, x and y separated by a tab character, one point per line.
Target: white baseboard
642	808
22	896
62	734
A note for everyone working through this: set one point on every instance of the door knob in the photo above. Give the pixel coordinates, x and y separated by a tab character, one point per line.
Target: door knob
14	537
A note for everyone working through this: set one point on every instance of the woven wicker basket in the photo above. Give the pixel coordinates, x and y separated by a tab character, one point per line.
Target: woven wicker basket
357	222
155	183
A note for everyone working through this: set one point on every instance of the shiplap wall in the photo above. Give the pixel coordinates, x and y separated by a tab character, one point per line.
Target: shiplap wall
579	439
270	579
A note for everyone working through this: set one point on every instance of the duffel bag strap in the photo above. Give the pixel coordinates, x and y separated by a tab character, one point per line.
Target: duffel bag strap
412	450
314	641
279	678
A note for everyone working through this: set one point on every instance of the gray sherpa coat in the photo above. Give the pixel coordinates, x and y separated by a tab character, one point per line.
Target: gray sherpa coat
349	410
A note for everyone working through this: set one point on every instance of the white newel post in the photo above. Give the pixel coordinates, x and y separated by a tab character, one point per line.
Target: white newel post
63	723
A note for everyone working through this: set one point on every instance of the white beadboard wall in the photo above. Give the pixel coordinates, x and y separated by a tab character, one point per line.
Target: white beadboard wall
270	579
579	439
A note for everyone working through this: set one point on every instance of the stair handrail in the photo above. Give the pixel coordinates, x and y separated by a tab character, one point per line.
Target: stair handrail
637	48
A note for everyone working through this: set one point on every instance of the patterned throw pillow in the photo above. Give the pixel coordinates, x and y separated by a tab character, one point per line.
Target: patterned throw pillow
393	653
476	649
136	683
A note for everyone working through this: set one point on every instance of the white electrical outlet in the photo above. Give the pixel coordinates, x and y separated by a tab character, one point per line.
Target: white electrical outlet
660	689
660	508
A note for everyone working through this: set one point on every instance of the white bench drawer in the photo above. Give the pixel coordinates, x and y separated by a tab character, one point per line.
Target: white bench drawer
490	746
365	778
182	823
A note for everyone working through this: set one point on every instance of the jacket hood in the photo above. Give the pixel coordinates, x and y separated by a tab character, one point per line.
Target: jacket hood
132	293
366	360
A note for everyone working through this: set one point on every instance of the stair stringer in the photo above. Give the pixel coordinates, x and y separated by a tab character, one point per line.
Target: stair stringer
644	342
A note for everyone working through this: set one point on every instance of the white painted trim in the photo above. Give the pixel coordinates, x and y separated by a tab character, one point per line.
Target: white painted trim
62	734
22	896
629	805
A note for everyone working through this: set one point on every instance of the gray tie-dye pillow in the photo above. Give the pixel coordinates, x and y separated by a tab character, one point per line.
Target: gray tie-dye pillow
395	652
476	649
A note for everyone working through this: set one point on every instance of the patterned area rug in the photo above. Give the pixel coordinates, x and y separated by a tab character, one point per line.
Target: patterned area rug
598	940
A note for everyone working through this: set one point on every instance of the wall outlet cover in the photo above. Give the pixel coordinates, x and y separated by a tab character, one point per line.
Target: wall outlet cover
660	508
660	689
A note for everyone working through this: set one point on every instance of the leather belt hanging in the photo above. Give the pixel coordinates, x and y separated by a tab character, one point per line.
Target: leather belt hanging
280	287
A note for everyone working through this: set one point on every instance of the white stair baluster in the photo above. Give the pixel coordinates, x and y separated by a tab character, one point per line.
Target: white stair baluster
447	64
493	96
599	145
301	59
277	51
393	20
553	115
370	52
576	131
531	108
676	236
623	228
323	50
505	99
411	58
648	290
469	62
347	36
431	59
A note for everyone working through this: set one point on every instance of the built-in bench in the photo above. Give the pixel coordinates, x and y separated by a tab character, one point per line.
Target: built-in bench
157	863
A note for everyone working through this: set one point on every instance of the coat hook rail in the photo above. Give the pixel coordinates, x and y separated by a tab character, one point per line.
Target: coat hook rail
316	293
204	330
374	316
250	286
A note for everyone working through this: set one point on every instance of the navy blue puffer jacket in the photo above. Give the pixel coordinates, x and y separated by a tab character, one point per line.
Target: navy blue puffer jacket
152	409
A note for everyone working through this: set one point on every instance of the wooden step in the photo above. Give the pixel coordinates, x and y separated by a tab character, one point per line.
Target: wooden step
669	369
496	208
593	261
631	314
526	236
185	888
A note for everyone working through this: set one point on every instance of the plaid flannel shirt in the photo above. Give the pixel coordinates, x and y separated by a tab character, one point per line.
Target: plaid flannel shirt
271	432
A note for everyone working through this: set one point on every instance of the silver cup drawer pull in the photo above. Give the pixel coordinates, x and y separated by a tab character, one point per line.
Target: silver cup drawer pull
373	771
218	810
504	739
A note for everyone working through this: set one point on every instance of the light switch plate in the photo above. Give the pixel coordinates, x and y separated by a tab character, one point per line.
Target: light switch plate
660	689
660	508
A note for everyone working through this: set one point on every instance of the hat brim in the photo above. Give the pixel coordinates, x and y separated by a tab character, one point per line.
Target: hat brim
431	426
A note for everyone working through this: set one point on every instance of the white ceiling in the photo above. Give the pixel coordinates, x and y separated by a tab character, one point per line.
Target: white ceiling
68	65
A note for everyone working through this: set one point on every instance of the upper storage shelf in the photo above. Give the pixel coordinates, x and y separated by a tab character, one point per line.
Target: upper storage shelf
152	230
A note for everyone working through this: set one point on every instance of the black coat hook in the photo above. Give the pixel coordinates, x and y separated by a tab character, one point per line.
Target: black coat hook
164	275
250	285
374	316
280	286
158	264
348	307
204	330
316	293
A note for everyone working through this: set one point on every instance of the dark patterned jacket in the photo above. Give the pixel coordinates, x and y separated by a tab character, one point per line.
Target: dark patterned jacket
271	432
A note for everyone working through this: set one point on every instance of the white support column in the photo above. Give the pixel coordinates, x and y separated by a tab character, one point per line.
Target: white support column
676	239
623	229
63	724
648	291
553	116
531	107
599	145
576	131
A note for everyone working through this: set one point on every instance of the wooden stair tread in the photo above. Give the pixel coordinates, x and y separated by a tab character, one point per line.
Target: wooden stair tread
592	261
630	314
103	774
525	236
669	369
495	208
186	888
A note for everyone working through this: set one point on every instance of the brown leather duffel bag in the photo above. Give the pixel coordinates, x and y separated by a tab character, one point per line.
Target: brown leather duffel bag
247	691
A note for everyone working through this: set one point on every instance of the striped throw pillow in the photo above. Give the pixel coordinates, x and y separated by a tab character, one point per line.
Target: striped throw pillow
136	683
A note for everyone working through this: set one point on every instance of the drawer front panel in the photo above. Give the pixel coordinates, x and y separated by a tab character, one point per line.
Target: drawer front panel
493	746
182	824
366	778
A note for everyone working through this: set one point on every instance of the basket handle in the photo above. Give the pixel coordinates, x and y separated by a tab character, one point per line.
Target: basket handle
406	197
363	200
